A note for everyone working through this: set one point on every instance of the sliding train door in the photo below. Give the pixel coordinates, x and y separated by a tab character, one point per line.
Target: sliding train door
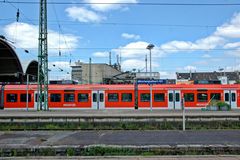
36	97
174	100
230	97
98	101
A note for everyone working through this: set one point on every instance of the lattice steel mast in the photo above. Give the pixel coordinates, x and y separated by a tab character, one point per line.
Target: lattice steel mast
42	103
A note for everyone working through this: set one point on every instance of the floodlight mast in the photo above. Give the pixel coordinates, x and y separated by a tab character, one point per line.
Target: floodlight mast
150	47
42	103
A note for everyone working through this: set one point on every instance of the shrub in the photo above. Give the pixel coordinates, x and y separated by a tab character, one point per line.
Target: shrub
223	106
218	105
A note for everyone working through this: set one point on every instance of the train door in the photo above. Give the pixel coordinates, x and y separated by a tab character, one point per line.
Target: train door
230	97
36	100
174	100
98	101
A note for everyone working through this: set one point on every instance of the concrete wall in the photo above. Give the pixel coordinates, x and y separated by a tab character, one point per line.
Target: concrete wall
99	71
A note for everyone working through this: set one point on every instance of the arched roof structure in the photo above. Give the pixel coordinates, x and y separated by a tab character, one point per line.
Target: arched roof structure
11	68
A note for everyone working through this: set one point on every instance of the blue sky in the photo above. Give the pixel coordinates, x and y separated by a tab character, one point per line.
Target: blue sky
196	38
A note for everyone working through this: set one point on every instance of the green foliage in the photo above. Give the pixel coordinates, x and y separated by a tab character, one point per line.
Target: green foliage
218	105
70	152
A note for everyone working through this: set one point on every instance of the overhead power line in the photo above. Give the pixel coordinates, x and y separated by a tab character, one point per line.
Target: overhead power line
134	4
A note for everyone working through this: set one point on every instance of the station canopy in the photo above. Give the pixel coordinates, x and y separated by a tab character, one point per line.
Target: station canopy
13	68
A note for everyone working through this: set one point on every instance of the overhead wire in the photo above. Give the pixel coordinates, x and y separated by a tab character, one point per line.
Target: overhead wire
133	4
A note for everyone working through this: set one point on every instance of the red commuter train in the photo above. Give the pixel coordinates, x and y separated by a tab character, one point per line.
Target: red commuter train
164	96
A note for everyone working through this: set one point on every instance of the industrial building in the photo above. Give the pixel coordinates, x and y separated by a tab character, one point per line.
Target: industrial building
102	73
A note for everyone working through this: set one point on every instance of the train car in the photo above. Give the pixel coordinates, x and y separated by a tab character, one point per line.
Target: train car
164	96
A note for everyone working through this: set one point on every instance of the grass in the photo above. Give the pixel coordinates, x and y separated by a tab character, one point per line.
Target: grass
117	151
198	125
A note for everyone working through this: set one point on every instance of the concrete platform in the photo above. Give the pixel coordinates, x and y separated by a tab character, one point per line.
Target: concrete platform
131	142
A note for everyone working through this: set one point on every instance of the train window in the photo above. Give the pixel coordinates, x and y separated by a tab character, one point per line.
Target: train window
11	97
159	97
55	97
145	97
170	97
215	96
101	97
189	97
23	98
94	97
82	97
233	97
226	97
202	97
113	97
177	96
69	97
127	97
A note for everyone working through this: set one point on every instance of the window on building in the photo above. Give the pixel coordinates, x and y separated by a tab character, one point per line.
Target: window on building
145	97
159	97
82	97
127	97
69	97
189	97
226	97
202	97
11	97
55	97
170	97
23	98
113	97
215	96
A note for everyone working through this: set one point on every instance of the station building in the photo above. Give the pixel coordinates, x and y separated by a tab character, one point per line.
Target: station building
16	65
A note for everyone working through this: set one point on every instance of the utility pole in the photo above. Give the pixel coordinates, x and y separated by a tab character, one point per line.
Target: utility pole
42	58
110	58
146	63
90	71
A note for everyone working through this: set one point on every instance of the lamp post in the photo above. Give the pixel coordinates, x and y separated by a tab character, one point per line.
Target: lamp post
150	47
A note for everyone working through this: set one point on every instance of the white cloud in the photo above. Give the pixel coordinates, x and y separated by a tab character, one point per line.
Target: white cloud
56	73
232	45
167	75
106	5
137	49
190	68
206	56
230	29
207	43
217	39
235	53
138	64
26	36
133	64
83	15
130	36
101	54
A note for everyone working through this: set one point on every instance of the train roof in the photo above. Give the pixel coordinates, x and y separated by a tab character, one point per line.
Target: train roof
126	87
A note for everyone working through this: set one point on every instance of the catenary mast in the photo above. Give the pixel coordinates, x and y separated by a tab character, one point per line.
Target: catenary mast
42	103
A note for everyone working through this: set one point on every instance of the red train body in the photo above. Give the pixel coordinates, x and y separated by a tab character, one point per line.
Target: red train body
120	96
